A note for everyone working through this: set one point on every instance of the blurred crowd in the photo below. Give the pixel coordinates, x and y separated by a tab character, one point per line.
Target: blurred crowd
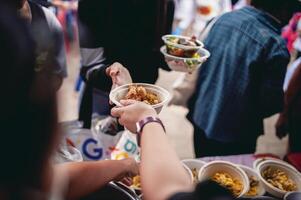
252	44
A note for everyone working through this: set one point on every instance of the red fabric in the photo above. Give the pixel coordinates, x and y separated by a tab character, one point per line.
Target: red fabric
290	31
295	160
267	155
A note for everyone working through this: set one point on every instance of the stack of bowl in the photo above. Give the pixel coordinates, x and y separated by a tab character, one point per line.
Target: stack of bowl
181	54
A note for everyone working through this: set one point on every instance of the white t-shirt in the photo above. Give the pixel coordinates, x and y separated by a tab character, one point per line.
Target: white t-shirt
187	13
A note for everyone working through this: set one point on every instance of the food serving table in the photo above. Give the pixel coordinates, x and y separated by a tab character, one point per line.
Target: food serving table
246	159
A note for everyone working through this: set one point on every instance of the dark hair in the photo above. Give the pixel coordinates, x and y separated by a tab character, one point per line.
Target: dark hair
28	109
274	6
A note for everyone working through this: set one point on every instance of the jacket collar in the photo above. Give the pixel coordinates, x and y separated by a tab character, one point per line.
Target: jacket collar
265	18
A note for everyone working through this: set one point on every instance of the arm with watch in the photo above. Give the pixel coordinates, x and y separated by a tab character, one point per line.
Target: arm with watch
161	170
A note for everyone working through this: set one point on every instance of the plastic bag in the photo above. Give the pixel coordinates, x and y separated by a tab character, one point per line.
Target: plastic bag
95	144
126	147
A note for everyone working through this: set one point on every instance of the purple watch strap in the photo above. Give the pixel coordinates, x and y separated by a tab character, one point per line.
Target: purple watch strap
145	121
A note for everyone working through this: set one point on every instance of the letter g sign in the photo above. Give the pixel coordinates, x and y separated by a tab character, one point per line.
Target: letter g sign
96	153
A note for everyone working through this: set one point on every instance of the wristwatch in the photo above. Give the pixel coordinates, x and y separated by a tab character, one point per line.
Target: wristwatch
140	125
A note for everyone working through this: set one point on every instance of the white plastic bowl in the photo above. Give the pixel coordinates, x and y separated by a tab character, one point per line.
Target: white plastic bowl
260	160
180	46
282	166
185	64
194	164
118	93
208	171
251	172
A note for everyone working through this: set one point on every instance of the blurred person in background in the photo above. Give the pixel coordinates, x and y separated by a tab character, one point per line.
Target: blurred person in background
290	33
49	40
128	32
193	15
241	3
241	83
290	119
30	129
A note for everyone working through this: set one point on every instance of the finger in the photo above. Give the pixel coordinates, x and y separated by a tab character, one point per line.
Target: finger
127	181
108	71
117	112
128	102
114	71
121	121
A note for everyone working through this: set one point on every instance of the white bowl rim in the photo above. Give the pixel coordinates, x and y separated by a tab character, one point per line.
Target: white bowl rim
162	103
236	167
276	163
281	162
262	159
244	167
194	160
164	38
201	59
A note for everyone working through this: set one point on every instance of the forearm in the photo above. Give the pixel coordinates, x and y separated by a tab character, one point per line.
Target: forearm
293	89
161	169
87	177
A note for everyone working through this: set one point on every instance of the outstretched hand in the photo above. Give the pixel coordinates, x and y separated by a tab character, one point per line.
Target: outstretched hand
132	112
119	75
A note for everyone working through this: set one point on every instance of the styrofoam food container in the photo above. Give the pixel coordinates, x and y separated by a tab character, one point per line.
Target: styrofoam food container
223	166
251	172
194	164
185	64
282	166
118	93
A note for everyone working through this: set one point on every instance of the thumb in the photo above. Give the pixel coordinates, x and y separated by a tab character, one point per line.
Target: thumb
127	102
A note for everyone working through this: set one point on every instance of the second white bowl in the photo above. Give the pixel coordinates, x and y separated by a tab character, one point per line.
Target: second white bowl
210	169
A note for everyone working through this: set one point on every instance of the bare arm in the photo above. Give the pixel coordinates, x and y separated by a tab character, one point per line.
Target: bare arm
87	177
293	89
161	169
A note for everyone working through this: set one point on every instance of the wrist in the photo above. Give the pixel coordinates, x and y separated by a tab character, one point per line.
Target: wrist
147	113
146	122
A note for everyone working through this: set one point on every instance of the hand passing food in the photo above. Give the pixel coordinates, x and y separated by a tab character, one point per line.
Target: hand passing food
119	74
132	112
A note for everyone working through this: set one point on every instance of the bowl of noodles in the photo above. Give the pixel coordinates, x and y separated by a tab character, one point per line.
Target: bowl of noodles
279	179
227	175
256	186
153	95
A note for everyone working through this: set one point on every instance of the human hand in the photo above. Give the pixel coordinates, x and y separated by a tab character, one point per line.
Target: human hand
130	169
119	74
132	112
281	126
